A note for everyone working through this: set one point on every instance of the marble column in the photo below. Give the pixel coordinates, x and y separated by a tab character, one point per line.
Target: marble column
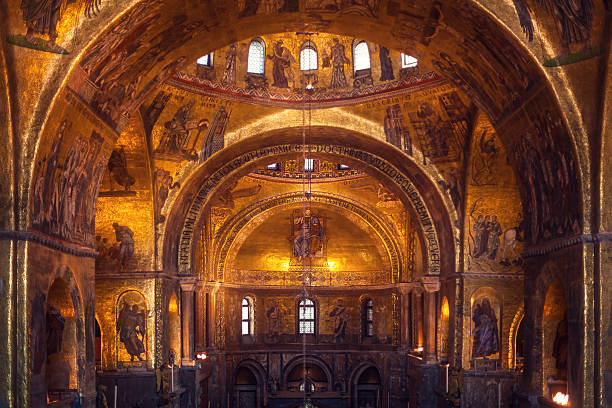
188	327
429	322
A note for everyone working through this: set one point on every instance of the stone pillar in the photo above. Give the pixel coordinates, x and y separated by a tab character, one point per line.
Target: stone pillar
404	316
188	328
430	313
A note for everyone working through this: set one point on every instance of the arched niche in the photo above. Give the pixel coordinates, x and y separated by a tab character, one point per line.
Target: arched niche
174	329
131	322
554	341
366	387
444	343
61	332
485	323
307	374
249	379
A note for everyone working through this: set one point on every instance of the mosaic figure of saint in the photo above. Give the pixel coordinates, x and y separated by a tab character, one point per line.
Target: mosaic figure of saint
340	316
339	59
229	73
309	237
131	328
275	320
386	66
281	65
494	232
486	336
125	237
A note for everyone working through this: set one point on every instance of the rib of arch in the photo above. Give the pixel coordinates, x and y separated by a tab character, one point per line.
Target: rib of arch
233	227
185	218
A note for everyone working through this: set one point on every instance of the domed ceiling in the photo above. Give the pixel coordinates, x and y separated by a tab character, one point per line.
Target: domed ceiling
212	104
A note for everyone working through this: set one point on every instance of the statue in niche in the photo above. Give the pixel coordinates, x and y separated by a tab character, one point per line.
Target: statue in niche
560	349
131	328
308	237
55	324
229	73
340	315
281	65
338	60
386	66
486	336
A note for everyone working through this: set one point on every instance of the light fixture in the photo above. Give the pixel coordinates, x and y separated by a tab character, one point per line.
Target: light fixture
561	398
201	356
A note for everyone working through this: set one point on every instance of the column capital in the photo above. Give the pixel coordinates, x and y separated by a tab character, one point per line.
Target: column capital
188	284
430	283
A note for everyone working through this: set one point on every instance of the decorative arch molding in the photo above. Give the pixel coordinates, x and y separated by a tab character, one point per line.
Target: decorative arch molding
256	368
398	172
512	336
356	373
308	360
232	229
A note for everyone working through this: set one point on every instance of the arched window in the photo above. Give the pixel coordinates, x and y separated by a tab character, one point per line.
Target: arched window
361	55
306	317
257	57
308	56
247	316
206	60
408	61
368	317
